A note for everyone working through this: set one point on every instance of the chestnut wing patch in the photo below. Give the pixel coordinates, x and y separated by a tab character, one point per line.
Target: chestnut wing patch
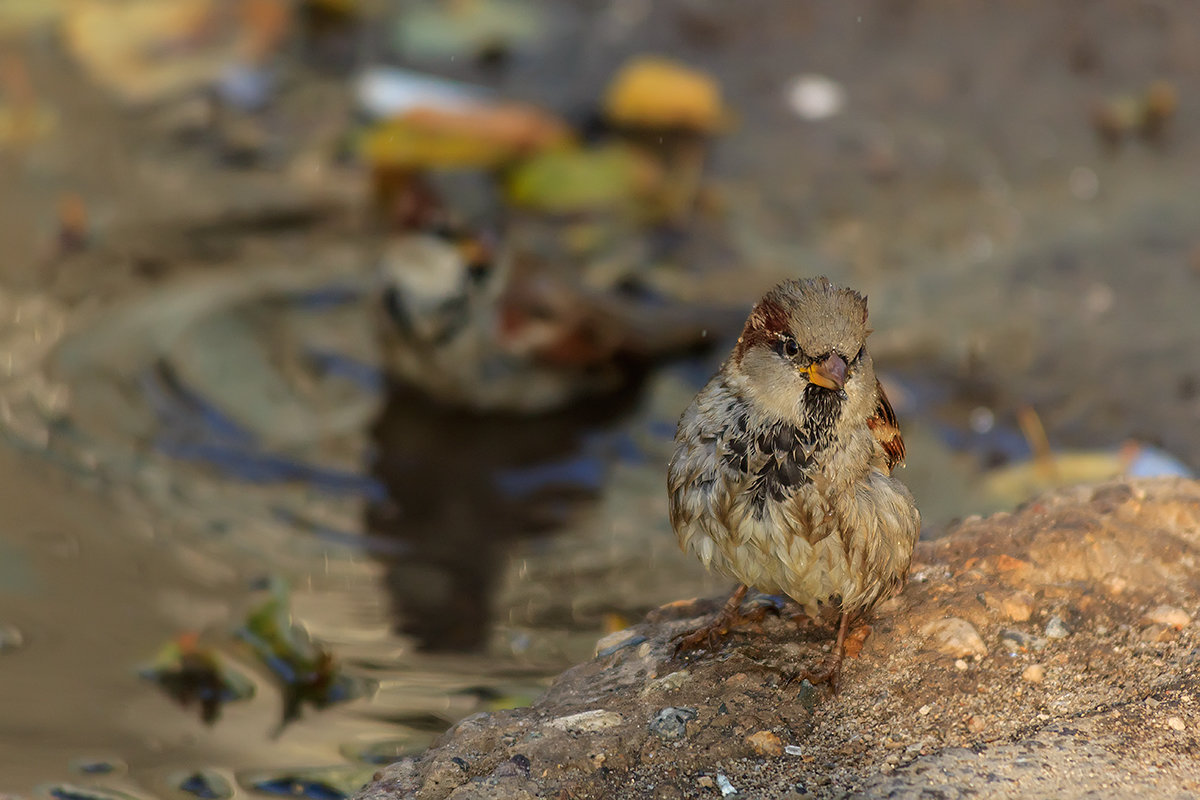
886	430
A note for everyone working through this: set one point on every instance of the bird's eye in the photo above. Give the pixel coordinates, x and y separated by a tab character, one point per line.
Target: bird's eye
790	348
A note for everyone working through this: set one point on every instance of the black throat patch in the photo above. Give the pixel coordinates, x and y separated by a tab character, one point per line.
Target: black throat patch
785	453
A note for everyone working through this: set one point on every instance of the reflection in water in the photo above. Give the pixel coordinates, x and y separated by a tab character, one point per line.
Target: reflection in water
463	486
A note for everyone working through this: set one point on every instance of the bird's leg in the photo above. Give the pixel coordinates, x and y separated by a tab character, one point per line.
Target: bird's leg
712	632
831	671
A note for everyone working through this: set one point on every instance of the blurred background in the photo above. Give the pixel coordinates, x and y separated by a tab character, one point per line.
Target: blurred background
342	341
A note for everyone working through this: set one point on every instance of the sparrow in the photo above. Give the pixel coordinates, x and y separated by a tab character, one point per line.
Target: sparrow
782	472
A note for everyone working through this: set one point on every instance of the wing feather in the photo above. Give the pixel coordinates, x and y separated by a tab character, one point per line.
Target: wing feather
886	430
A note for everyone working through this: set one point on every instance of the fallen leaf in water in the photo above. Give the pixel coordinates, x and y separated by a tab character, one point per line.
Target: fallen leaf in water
306	669
194	673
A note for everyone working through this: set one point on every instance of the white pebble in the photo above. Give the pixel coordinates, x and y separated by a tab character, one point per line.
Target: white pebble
960	665
954	637
815	97
1175	723
1056	628
587	721
724	785
794	750
924	710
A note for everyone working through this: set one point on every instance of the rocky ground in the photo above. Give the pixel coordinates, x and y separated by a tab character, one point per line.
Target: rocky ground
1045	653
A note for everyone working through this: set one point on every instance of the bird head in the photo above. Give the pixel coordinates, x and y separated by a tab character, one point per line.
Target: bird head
802	352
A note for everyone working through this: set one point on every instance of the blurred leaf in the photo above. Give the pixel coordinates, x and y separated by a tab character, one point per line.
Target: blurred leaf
189	672
481	137
577	181
144	50
466	27
1015	483
19	16
306	670
653	92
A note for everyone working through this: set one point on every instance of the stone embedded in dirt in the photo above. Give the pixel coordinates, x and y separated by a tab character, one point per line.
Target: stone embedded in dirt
1016	606
1056	628
765	743
954	637
1167	615
906	722
671	723
586	721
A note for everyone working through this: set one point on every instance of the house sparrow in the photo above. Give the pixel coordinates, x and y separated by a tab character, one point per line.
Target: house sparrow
782	473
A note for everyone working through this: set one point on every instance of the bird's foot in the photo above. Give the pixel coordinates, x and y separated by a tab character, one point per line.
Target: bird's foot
849	643
711	633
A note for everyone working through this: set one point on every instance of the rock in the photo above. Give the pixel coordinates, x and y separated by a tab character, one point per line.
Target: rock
587	721
906	724
668	682
1017	606
671	722
446	774
1020	642
954	637
1034	673
618	640
1056	628
765	743
1167	615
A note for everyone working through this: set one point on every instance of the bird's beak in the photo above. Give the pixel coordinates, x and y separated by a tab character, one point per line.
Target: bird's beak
830	373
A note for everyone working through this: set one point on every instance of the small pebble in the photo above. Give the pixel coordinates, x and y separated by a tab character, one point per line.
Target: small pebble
705	782
1020	642
1175	723
724	785
954	636
1056	628
618	640
1034	673
1017	606
960	665
924	710
1167	615
815	97
671	722
668	682
794	750
765	743
1159	633
975	724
